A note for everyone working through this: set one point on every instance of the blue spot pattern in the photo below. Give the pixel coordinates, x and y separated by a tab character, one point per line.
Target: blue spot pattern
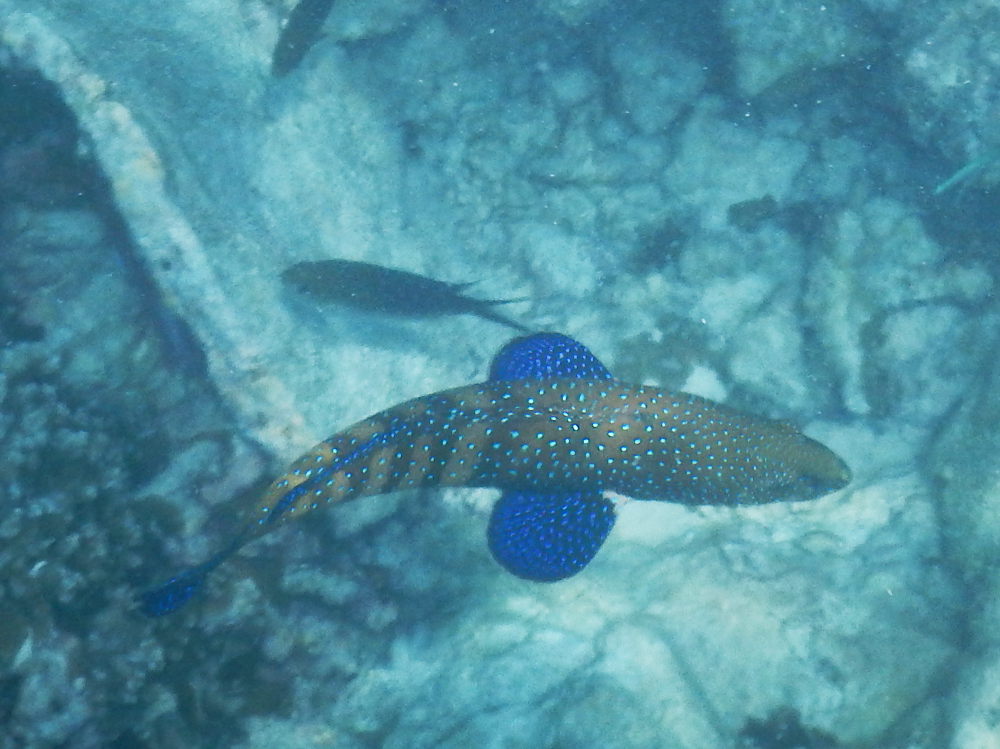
417	451
548	537
542	355
535	535
555	432
320	474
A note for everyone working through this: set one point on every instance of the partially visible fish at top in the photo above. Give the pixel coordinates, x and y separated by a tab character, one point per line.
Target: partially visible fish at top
301	31
374	288
560	437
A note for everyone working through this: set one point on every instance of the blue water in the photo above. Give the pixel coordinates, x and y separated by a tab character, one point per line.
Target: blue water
790	210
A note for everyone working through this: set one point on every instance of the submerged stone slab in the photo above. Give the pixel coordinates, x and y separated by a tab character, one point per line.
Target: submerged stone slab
224	178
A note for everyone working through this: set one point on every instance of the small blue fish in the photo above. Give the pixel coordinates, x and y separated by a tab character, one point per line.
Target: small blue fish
556	433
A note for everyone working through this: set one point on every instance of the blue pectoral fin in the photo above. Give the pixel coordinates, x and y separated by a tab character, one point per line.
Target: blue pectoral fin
548	537
540	355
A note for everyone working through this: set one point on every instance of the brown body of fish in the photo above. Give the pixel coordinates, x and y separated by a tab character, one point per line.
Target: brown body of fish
561	435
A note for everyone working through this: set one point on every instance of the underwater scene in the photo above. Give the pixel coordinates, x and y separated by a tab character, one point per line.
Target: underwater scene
529	373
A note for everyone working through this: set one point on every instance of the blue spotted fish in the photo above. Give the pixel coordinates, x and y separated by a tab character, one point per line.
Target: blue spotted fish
557	434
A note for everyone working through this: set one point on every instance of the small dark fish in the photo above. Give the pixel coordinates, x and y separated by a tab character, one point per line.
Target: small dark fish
561	438
389	291
302	30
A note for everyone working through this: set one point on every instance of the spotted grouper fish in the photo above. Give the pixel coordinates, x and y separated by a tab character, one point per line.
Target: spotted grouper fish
560	437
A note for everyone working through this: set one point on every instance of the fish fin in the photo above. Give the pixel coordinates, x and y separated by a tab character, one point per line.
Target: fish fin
178	590
483	310
548	537
546	355
515	300
173	594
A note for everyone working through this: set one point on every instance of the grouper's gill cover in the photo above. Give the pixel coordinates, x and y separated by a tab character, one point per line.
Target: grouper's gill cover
555	433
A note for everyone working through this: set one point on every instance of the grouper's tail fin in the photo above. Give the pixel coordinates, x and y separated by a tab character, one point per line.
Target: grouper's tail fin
173	594
178	590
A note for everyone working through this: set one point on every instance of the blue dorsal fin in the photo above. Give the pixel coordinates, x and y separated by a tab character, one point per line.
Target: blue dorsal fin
539	355
548	537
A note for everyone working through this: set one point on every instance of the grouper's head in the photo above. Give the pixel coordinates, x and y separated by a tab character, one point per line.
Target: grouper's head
809	469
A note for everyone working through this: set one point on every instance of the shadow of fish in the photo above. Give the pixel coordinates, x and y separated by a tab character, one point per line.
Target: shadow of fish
374	288
301	31
560	437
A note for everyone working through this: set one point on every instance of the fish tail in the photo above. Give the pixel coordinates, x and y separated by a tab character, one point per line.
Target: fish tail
173	594
178	590
483	310
515	300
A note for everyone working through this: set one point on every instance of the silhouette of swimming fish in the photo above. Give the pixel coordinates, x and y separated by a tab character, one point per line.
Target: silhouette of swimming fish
301	31
556	433
389	291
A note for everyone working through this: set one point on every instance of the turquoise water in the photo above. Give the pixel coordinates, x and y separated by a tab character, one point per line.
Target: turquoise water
788	209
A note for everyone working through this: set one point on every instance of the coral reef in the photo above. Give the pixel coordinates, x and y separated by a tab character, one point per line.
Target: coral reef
951	102
774	43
